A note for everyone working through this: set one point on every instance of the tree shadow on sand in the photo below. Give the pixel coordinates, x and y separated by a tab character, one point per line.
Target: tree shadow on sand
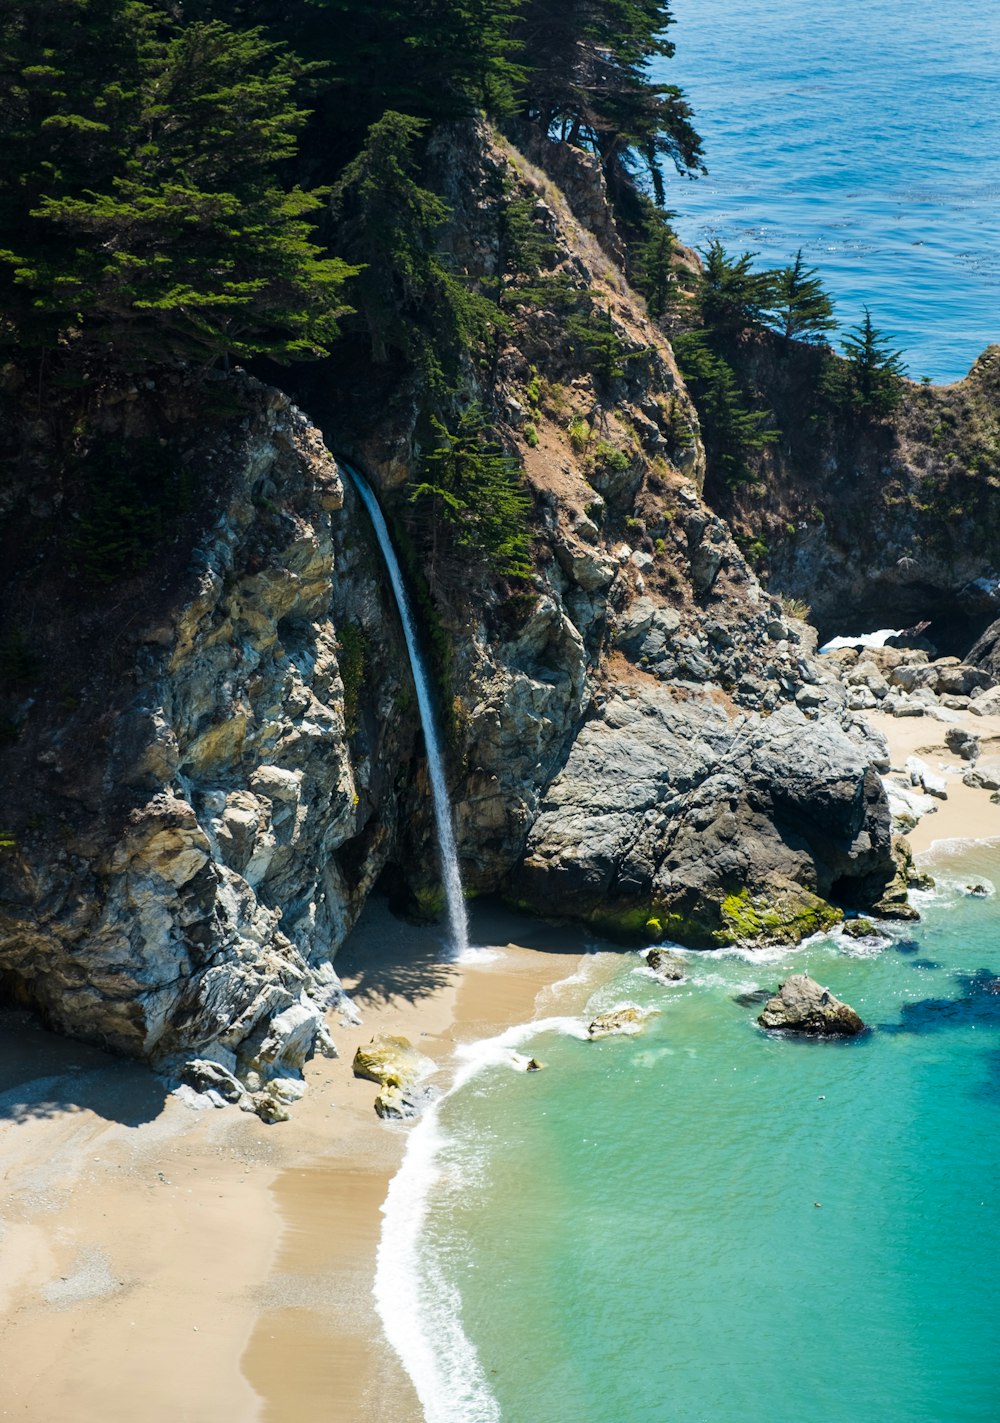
43	1075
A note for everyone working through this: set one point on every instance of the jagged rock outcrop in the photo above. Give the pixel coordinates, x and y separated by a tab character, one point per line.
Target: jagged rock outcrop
640	736
802	1005
674	819
624	1021
189	904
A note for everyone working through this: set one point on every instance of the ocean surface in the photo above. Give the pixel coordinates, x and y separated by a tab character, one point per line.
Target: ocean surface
866	132
710	1223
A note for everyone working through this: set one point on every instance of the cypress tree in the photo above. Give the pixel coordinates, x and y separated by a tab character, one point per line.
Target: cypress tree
802	311
180	242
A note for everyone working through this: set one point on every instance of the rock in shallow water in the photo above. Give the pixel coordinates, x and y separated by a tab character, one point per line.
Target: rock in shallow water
669	966
802	1005
625	1020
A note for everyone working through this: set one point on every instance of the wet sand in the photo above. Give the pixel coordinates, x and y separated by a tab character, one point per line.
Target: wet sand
968	813
162	1265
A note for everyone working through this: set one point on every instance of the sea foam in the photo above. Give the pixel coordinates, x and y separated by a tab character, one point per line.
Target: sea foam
419	1309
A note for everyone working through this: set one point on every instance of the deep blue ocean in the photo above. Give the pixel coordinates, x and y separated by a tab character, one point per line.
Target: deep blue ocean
866	132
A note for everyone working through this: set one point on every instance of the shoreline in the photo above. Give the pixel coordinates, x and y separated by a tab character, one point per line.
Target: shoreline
183	1264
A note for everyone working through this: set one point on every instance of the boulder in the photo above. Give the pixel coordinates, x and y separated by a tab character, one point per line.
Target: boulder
802	1005
921	775
985	653
399	1069
669	966
859	928
671	818
626	1020
987	703
964	743
985	776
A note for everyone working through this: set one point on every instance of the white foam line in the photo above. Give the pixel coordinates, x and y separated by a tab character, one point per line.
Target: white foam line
420	1311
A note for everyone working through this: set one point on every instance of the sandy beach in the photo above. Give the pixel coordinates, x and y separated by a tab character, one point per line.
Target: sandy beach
968	813
165	1265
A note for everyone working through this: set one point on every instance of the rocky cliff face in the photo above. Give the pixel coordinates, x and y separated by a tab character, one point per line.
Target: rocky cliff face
879	524
188	900
641	738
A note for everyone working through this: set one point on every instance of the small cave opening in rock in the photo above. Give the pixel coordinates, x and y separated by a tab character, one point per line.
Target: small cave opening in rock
949	623
16	992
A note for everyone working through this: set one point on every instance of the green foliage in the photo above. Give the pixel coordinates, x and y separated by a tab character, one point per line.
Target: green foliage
169	236
386	223
871	377
579	434
609	460
353	660
653	269
593	341
19	661
588	82
802	311
732	431
732	295
470	505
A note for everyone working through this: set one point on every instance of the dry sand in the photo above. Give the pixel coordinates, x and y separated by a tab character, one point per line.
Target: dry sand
968	813
161	1265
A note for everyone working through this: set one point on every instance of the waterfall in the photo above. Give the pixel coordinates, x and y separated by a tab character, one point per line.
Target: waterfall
452	880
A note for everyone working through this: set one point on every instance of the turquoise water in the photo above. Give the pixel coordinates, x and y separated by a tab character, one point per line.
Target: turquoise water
866	132
706	1222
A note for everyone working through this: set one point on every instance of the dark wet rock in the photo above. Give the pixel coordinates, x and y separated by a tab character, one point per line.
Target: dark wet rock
751	999
893	904
859	928
964	743
802	1005
978	891
669	966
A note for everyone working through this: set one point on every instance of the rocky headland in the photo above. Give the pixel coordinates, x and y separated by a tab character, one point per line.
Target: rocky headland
211	765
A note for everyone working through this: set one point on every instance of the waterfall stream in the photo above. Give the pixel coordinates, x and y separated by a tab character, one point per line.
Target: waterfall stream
457	919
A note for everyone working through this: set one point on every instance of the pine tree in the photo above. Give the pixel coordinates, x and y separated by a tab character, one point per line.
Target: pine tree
387	224
733	432
871	378
654	273
588	81
471	503
181	242
801	309
733	297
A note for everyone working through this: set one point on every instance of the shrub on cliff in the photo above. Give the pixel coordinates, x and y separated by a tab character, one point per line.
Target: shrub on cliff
470	506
